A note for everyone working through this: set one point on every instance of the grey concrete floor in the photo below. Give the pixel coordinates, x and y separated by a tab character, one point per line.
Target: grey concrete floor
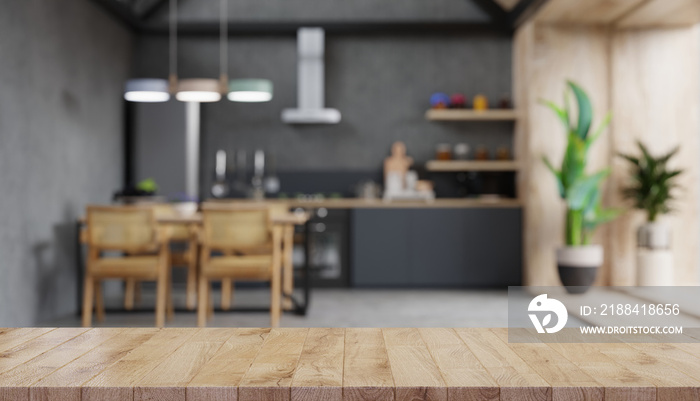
337	308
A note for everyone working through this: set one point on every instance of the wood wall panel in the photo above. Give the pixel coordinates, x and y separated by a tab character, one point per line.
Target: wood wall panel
662	13
545	58
586	11
656	99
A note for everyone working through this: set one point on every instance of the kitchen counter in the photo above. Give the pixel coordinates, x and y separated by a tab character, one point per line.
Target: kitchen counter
360	203
333	364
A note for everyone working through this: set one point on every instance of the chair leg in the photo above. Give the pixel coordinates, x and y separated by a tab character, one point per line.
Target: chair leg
226	293
288	275
192	276
161	297
129	291
210	301
137	293
203	304
88	296
275	282
170	312
99	302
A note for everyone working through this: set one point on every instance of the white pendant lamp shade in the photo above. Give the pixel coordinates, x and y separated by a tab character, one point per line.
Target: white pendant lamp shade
147	90
201	90
250	90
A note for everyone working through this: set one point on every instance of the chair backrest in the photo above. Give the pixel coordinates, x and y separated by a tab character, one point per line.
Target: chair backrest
121	227
235	225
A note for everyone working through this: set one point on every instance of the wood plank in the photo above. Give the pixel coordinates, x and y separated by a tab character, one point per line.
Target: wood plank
270	375
168	381
16	382
64	384
662	13
416	375
568	381
518	381
319	373
471	115
367	374
620	383
116	383
472	165
671	384
465	377
219	377
28	350
12	337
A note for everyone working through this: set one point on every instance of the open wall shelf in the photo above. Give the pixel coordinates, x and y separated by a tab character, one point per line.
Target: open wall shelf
471	115
471	165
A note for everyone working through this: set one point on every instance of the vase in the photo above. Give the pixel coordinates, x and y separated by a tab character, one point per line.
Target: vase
578	266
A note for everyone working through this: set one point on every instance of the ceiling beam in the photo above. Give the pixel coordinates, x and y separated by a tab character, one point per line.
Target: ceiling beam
121	12
523	11
332	28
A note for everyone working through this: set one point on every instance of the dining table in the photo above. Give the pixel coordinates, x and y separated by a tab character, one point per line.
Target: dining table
282	222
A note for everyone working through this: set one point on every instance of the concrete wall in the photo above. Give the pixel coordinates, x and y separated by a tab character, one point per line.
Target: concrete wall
62	68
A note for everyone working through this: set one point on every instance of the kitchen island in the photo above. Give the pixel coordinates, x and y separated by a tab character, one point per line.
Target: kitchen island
334	364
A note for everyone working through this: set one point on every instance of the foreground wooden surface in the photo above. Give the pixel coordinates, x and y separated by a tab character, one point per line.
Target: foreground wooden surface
334	364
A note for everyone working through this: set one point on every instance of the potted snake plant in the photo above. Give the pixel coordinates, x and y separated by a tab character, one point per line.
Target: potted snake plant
578	261
651	190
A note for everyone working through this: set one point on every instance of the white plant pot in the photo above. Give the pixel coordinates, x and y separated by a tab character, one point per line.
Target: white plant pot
654	235
578	266
654	267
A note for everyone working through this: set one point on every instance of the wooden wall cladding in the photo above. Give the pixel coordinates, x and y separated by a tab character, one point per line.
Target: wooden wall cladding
656	99
649	79
545	57
586	12
662	13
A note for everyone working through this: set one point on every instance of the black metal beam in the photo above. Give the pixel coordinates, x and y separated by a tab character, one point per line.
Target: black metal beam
121	12
498	15
154	8
523	11
333	28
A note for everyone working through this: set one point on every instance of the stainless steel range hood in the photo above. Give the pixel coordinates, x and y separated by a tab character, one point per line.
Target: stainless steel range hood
310	92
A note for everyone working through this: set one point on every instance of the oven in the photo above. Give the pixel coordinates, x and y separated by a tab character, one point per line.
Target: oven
328	242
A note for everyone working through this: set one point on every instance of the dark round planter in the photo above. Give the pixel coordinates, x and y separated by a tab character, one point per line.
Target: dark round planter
578	267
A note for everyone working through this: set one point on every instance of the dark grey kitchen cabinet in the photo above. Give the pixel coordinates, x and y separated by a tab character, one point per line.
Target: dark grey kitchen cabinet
436	247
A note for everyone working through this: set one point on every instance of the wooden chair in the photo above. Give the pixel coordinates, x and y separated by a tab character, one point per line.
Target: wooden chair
249	248
132	231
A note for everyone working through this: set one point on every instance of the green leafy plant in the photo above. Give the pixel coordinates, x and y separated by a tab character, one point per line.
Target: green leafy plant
580	190
652	182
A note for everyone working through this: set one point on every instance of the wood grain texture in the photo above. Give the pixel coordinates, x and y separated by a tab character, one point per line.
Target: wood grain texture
270	375
17	381
662	13
416	376
367	374
117	381
218	380
168	381
10	338
228	364
64	384
319	373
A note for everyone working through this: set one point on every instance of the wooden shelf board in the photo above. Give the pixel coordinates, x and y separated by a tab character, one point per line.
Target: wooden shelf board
471	165
471	115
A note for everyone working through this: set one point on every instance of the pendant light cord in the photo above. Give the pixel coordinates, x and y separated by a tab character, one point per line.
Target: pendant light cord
173	44
223	41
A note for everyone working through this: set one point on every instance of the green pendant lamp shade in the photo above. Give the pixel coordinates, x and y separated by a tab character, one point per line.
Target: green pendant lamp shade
250	90
146	90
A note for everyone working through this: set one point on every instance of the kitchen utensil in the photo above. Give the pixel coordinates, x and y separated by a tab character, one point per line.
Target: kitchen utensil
258	174
271	183
220	188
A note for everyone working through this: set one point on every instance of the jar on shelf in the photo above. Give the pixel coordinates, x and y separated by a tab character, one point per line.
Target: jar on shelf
443	151
461	151
482	153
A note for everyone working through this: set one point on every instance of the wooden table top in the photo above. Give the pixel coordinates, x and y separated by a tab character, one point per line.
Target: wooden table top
333	364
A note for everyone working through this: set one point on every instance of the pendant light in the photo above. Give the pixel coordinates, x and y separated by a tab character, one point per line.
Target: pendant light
239	90
146	90
202	90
